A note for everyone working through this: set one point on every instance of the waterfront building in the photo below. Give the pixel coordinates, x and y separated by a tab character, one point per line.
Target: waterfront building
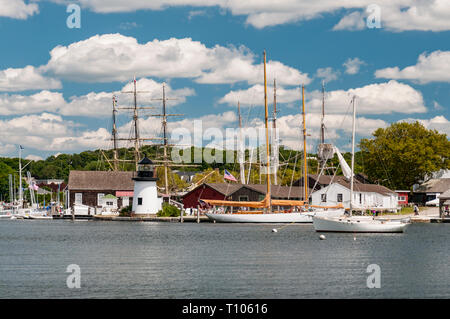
216	191
403	197
365	196
428	193
146	200
444	204
89	188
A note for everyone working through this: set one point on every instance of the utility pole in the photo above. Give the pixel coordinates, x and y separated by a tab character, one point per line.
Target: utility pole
20	176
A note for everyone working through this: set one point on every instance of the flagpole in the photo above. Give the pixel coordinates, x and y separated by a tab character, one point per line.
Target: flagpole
20	176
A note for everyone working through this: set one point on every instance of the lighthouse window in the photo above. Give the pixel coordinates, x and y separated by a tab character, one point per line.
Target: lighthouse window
139	200
339	198
323	198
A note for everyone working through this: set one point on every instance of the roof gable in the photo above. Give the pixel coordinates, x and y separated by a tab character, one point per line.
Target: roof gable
101	180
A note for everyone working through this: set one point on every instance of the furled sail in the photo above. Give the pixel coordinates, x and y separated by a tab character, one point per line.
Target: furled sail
346	170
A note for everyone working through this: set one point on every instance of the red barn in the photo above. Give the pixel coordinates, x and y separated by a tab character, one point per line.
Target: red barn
402	197
219	191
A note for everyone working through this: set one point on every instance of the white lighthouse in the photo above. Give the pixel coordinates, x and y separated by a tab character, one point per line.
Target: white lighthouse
145	197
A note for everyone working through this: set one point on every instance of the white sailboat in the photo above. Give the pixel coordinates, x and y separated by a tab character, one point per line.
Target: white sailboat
357	224
264	212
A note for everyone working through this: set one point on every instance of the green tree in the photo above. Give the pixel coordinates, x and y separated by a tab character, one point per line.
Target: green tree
402	154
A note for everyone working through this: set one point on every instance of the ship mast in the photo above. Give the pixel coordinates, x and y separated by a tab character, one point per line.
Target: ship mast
353	155
240	146
266	112
275	134
114	133
137	155
305	168
322	124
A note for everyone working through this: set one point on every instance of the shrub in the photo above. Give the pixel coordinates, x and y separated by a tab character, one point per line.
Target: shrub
168	211
125	211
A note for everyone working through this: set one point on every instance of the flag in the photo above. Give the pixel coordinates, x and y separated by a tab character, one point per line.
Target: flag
21	147
203	203
227	175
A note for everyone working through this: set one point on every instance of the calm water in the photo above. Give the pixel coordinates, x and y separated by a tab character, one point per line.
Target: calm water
171	260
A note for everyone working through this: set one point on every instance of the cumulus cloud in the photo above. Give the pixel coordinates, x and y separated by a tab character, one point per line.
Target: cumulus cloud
27	78
27	104
433	67
397	15
17	9
438	123
352	22
93	104
327	74
352	66
382	98
50	132
115	57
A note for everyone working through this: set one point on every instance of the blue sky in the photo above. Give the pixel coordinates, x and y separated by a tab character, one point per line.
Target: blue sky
59	100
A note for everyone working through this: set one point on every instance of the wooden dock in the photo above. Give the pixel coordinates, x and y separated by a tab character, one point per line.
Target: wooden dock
186	219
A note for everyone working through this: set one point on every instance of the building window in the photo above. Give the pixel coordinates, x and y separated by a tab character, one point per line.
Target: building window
109	204
139	200
360	198
100	199
402	198
78	199
339	198
323	198
261	197
243	198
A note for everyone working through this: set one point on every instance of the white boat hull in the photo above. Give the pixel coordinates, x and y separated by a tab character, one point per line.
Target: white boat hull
357	225
306	217
40	217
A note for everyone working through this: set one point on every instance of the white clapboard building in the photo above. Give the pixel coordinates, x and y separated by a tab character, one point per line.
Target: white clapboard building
365	196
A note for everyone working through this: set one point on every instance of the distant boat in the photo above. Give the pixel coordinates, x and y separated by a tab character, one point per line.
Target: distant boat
357	224
40	217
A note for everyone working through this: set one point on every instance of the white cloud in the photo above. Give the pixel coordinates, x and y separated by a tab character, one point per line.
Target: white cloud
396	15
26	104
327	74
382	98
352	21
352	66
438	123
27	78
433	67
114	57
50	132
32	157
92	104
255	96
17	9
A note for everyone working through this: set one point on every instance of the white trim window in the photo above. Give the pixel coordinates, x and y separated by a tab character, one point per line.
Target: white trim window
78	198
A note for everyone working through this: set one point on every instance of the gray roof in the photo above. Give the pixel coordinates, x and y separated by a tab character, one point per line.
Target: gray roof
101	180
278	191
445	195
368	188
436	185
224	188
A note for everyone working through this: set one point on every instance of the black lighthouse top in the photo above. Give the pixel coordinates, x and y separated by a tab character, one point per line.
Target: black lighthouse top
146	170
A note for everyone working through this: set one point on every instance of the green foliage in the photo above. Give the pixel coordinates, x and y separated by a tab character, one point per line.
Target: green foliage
169	211
404	153
125	211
